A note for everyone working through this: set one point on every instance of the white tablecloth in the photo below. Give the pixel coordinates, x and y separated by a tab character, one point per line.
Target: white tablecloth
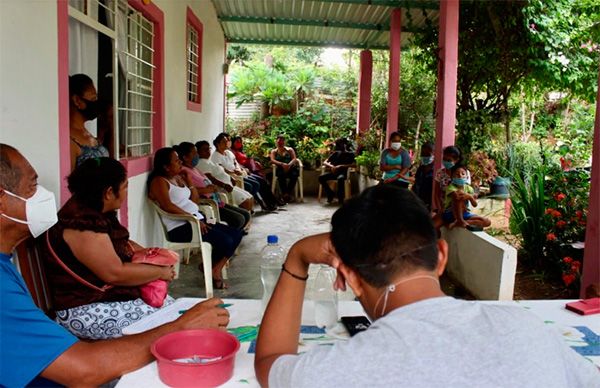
246	312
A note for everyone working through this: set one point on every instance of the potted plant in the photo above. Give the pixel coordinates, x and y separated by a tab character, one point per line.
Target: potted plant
368	168
483	169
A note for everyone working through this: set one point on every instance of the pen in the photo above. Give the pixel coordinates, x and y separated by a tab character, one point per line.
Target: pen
221	305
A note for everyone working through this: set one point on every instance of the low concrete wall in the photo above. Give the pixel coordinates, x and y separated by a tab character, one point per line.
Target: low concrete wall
483	265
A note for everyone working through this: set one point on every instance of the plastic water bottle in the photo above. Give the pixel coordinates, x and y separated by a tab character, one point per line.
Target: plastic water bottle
272	258
325	297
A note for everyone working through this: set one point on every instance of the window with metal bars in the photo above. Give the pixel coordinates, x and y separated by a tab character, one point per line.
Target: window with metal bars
136	81
194	61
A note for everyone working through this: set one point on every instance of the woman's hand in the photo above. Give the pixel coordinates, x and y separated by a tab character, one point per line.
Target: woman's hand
205	315
167	273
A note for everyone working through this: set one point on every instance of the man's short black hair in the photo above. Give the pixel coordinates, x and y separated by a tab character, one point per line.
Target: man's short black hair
220	137
10	174
384	232
427	146
201	143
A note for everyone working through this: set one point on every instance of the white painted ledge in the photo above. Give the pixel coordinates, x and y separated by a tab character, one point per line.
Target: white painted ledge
483	265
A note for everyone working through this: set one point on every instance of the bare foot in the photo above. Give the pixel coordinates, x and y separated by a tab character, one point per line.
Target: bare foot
458	224
219	284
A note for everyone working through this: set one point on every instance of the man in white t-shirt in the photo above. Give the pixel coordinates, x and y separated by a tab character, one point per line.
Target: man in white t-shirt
385	248
219	177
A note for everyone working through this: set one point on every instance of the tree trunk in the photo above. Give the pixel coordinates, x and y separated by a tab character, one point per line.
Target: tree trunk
523	113
506	120
417	133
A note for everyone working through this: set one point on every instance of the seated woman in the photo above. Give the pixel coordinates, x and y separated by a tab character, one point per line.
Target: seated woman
91	242
451	156
219	177
237	147
83	106
234	216
287	167
395	163
169	190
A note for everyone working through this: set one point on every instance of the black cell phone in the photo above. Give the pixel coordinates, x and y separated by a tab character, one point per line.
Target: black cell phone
355	325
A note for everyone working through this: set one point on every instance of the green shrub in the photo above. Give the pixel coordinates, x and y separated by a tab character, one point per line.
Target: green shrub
527	214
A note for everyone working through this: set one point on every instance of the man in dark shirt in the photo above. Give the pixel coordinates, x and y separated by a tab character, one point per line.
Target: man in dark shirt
423	185
337	163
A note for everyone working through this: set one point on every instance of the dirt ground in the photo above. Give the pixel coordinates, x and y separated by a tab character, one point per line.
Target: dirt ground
528	283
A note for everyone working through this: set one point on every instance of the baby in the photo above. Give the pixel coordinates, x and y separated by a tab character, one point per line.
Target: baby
458	196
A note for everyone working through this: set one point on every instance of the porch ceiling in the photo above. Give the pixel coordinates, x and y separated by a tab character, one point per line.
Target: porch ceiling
334	23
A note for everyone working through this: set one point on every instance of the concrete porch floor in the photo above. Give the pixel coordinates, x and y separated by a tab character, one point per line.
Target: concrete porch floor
291	223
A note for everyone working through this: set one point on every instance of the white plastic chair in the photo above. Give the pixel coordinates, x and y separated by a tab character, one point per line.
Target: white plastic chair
210	209
333	183
205	248
299	189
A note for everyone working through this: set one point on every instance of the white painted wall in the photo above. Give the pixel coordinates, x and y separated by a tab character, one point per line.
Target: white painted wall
29	91
482	264
29	84
183	124
144	227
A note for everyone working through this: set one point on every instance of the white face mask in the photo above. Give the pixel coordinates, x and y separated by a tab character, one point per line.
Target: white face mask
40	210
396	146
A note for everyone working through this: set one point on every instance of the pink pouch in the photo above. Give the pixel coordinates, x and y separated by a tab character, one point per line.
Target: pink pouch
155	292
156	256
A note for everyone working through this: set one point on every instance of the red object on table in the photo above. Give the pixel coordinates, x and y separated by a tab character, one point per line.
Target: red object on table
585	306
216	348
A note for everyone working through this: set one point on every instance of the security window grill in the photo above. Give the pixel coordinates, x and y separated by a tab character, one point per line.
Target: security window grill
136	63
193	65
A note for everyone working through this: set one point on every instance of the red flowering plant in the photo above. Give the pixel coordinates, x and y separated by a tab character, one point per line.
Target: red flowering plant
566	201
570	270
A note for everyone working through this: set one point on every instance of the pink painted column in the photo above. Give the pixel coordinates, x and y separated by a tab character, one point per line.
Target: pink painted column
363	118
447	74
591	259
394	77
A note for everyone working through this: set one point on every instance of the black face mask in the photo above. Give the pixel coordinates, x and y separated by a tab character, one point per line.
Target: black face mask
91	109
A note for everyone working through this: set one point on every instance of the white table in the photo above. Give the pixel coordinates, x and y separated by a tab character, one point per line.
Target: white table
246	312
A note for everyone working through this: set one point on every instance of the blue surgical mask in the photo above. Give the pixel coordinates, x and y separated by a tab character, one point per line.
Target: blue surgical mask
459	181
448	164
426	160
195	160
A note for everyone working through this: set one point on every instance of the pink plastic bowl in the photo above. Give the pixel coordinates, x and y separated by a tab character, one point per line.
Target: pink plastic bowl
206	344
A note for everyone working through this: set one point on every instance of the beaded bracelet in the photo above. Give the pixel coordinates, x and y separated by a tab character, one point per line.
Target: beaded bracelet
303	278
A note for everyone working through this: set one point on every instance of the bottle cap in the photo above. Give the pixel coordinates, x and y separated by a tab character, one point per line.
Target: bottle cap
272	239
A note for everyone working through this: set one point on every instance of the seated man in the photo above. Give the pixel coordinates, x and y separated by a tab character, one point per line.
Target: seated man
219	177
33	348
420	337
288	170
338	164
